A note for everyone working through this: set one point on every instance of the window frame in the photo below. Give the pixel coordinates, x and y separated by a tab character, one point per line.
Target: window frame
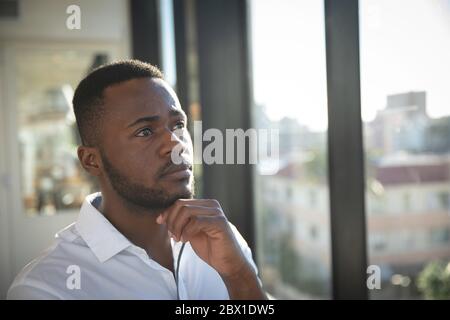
228	19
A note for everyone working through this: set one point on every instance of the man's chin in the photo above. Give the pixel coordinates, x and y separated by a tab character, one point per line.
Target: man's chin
183	189
172	198
179	191
184	194
166	195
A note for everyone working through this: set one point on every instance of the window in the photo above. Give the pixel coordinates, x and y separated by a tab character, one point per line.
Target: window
378	242
439	236
406	202
289	81
312	198
289	193
444	200
313	233
404	48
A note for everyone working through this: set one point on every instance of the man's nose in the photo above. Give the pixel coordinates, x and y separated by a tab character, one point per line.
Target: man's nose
170	140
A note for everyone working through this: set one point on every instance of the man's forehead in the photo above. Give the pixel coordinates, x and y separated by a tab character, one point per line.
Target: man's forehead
141	95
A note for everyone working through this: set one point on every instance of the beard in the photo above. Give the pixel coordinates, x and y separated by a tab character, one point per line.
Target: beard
154	199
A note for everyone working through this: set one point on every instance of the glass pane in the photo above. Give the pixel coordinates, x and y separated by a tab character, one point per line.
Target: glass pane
288	54
52	178
192	104
405	75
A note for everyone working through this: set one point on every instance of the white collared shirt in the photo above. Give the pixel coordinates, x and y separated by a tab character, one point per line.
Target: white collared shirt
91	259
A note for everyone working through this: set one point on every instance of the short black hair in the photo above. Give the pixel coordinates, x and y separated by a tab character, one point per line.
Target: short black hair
88	98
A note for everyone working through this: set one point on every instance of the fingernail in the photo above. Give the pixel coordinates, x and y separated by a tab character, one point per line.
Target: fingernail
159	219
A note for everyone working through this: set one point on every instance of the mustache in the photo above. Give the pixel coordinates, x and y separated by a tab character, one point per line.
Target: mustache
171	167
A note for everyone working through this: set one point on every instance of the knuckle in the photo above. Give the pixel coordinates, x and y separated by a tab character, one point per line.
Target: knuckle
214	202
179	202
219	212
184	210
221	219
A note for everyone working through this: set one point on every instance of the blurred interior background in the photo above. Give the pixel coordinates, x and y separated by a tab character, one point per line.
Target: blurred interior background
252	64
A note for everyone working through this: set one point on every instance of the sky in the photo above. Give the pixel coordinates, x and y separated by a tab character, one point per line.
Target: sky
404	46
167	41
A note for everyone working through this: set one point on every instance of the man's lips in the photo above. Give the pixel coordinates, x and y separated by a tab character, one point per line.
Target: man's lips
178	171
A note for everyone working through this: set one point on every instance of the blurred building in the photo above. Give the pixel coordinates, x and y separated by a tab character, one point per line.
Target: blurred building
407	201
401	125
408	221
437	135
409	205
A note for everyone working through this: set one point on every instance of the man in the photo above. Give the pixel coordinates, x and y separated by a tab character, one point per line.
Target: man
128	240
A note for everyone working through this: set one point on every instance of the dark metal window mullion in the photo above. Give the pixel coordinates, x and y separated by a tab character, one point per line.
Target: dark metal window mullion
145	31
345	151
224	96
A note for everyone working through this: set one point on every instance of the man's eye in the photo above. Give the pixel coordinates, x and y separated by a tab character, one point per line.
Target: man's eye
179	125
144	132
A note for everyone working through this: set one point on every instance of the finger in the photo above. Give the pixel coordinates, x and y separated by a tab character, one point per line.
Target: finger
199	202
174	209
184	214
207	224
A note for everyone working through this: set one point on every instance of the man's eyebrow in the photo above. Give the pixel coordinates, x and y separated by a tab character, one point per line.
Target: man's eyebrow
144	119
177	112
172	113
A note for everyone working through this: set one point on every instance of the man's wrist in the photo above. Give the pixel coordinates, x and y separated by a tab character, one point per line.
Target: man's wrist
244	284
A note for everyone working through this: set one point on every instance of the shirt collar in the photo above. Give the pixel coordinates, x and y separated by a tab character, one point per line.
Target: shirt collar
101	236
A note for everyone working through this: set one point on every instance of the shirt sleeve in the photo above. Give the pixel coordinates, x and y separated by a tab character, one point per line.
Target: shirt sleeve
246	250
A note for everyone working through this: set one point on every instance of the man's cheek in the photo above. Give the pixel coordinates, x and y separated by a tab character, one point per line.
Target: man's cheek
141	176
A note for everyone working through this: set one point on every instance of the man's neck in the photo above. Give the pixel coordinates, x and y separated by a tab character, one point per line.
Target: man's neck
139	225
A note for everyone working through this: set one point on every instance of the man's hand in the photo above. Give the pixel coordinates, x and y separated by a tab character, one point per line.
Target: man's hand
203	223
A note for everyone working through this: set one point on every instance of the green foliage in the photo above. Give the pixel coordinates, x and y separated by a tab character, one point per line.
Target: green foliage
434	280
316	168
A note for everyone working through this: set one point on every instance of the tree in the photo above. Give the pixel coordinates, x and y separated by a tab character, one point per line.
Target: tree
434	280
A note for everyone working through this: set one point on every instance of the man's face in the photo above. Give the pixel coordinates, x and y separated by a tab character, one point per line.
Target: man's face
142	124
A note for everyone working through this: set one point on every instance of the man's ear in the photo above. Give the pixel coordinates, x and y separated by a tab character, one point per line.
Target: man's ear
90	160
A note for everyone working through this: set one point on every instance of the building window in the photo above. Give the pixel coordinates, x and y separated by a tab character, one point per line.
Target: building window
444	200
313	233
406	202
440	236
